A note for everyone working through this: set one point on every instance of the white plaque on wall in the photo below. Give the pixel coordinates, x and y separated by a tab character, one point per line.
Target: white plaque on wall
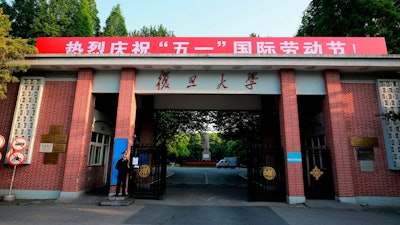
367	165
46	147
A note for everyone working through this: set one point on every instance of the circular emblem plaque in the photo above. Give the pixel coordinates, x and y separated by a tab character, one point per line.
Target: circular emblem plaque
269	173
144	171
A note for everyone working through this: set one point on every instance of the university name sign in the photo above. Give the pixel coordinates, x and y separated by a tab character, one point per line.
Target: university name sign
207	82
212	45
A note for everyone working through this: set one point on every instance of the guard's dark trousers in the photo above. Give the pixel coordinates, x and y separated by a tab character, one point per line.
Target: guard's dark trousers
121	182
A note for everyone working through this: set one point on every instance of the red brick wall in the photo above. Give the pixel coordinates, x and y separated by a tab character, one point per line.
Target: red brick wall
94	176
290	133
77	173
7	107
336	137
360	109
56	109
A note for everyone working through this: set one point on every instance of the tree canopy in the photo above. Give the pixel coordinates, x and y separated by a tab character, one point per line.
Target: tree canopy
115	23
152	31
95	21
52	18
22	14
353	18
237	125
10	50
81	21
171	122
185	146
181	131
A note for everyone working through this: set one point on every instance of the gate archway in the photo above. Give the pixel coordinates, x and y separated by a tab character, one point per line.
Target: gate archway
153	158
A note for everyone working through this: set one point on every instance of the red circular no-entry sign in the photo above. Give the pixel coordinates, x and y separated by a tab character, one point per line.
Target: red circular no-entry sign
2	141
16	158
19	143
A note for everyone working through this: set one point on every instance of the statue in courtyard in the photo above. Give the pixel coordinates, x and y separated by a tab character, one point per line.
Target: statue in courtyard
206	155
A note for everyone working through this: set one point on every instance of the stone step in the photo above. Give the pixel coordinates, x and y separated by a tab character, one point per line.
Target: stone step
117	201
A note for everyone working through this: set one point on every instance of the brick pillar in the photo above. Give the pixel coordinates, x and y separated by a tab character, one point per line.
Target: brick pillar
126	112
290	137
79	136
337	141
126	117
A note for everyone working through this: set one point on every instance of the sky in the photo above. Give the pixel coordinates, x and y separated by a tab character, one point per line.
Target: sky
211	18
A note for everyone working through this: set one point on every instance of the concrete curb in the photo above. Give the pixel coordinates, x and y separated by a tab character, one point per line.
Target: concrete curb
332	204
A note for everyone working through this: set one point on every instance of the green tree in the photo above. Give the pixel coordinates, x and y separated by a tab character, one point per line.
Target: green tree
254	35
6	7
93	13
151	31
21	16
195	146
178	146
353	18
237	125
54	18
170	122
81	22
239	130
63	11
45	23
217	146
65	18
115	23
10	50
236	148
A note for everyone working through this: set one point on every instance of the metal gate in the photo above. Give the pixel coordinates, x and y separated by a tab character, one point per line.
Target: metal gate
266	174
317	173
148	176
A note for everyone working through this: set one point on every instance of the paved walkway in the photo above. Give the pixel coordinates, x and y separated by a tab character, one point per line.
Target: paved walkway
194	206
189	196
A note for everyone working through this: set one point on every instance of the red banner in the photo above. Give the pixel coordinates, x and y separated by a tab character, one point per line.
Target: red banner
212	45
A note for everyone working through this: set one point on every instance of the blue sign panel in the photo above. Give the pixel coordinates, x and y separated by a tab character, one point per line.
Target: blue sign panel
120	145
294	157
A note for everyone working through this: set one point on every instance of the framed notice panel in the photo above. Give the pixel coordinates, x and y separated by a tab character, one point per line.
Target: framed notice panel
27	109
388	100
